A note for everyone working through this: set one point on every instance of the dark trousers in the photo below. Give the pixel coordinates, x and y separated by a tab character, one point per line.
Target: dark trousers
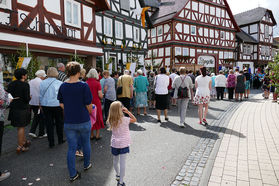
37	120
106	108
220	92
126	102
54	116
1	135
231	90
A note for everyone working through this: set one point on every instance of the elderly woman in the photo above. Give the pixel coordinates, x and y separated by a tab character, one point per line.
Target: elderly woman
231	83
161	93
50	105
140	86
182	82
240	86
96	91
75	98
20	114
220	84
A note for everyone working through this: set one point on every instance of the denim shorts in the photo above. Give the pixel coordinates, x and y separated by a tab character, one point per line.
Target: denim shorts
116	151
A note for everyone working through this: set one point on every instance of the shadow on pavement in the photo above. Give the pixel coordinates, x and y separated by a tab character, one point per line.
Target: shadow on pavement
189	130
225	130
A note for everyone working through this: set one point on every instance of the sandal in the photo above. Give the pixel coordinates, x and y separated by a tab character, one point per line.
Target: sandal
205	122
20	149
27	143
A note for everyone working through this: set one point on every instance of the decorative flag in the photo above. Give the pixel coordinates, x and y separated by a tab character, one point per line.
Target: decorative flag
23	62
128	66
143	15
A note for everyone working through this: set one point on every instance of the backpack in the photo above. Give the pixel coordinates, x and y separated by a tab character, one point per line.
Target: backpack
182	93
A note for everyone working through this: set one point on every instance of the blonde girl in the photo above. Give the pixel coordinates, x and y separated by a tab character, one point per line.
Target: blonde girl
120	139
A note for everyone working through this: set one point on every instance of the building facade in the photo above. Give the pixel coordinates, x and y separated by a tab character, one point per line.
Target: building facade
120	34
192	33
255	42
50	29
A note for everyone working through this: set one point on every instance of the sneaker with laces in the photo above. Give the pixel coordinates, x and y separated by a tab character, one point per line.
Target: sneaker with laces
77	176
4	175
43	136
32	135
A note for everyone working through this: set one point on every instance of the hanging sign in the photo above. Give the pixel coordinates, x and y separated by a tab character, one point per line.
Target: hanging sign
206	61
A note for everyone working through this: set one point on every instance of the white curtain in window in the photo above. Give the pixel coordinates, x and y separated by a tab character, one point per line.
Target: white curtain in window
69	12
75	14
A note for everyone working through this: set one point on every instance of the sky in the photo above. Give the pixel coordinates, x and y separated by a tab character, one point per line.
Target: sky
238	6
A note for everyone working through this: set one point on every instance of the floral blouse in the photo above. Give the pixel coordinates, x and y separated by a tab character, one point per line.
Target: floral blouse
4	101
231	80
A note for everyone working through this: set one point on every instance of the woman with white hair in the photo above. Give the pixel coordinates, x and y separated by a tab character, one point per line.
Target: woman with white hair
35	103
140	86
96	91
51	106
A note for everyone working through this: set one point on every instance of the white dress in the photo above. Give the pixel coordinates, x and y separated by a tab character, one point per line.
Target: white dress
203	92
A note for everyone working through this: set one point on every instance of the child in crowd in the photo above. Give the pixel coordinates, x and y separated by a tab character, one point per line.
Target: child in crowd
120	139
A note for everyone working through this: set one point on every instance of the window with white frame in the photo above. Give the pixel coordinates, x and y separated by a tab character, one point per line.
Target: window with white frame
72	13
185	52
118	30
108	26
177	51
193	30
160	30
136	34
222	35
153	32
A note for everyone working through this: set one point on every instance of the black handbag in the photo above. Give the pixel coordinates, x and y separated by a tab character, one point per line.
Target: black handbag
119	89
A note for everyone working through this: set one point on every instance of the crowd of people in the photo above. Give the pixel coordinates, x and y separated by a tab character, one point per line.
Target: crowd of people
65	98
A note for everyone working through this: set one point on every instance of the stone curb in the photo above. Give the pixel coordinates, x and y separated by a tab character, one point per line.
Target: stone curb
192	171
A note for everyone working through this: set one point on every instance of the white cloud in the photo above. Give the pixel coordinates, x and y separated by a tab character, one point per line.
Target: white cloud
238	6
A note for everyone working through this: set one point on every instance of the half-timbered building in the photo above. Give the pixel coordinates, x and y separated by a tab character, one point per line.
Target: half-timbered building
51	28
192	33
120	34
255	43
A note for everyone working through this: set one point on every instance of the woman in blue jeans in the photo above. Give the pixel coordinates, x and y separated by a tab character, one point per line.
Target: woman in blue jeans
75	98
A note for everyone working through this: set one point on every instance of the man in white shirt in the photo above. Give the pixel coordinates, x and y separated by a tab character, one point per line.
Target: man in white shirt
173	75
35	105
220	84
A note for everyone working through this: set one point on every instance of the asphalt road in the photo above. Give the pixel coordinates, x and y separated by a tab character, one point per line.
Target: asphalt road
157	153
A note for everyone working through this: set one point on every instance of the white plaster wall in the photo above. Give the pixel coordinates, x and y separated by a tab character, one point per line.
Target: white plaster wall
87	14
4	18
31	3
52	6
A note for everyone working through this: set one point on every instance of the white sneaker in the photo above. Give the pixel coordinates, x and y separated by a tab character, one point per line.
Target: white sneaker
43	136
32	135
4	176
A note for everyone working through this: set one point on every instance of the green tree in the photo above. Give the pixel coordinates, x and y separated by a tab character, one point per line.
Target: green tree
274	73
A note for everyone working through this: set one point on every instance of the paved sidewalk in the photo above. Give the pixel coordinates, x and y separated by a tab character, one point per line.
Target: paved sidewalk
249	150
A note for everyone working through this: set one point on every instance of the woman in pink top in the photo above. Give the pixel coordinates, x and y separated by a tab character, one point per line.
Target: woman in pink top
231	84
120	139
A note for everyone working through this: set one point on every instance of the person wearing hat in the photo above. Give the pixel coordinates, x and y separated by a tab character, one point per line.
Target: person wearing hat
35	105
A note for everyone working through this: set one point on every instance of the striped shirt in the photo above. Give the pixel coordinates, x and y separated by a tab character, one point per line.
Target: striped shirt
121	136
61	76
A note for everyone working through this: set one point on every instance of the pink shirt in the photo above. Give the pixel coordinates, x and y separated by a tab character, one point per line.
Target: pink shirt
121	136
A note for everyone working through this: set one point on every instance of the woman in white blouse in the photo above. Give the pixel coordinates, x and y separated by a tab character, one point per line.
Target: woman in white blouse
161	93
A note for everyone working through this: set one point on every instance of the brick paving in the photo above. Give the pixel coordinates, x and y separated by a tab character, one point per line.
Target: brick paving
249	150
